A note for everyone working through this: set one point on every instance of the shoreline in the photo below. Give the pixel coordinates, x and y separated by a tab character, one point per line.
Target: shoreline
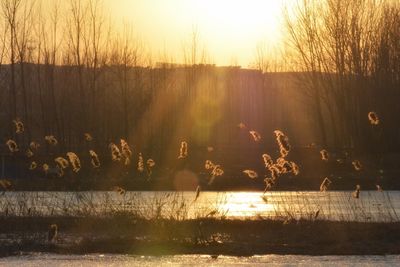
135	236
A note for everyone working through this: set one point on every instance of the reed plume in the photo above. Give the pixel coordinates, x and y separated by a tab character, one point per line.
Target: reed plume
88	137
94	159
208	165
60	171
325	185
74	160
19	126
295	168
255	135
274	171
283	165
356	193
45	168
267	160
51	140
140	166
150	163
324	155
34	145
216	170
283	143
252	174
373	118
357	165
61	162
126	152
12	146
115	153
29	153
119	190
183	150
5	184
33	165
241	125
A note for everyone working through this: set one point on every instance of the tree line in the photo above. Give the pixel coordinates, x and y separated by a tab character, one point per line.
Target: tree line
68	72
349	52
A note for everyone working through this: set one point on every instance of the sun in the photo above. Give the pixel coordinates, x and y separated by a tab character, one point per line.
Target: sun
229	29
240	17
233	28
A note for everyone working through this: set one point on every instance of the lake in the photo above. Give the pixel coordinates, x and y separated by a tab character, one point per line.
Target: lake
332	205
371	206
44	259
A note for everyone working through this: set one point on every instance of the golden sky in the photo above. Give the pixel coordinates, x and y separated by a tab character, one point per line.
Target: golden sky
230	30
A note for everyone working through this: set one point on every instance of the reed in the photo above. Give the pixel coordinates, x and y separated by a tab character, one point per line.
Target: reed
94	159
75	161
287	207
19	126
12	146
183	150
255	136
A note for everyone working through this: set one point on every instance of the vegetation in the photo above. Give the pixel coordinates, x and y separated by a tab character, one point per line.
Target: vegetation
84	107
166	224
74	84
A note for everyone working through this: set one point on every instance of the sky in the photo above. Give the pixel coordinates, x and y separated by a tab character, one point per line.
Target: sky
229	30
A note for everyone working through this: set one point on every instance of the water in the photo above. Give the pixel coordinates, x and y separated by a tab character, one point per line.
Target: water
335	205
42	259
371	206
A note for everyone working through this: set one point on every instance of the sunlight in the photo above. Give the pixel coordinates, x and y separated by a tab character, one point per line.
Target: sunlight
235	19
245	204
230	29
201	129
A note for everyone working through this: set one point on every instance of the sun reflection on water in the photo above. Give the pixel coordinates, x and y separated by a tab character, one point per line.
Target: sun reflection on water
245	204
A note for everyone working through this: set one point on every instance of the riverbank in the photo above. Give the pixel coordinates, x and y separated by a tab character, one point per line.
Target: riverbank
129	235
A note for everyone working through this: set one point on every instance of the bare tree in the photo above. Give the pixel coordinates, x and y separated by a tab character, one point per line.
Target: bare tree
126	56
23	43
10	11
336	44
76	23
